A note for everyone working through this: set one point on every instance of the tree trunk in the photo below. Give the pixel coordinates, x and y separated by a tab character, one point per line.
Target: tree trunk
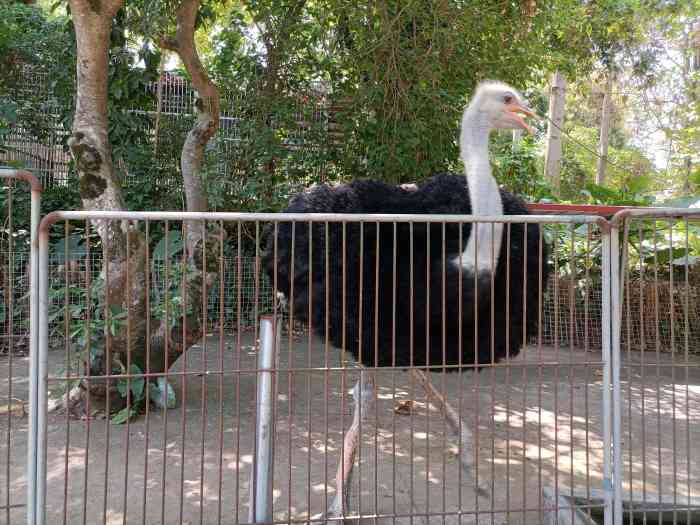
552	159
604	132
202	256
123	270
124	247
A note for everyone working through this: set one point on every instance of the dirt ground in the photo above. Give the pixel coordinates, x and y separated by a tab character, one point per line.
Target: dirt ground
536	423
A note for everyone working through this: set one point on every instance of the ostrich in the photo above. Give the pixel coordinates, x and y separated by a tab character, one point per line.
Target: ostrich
406	296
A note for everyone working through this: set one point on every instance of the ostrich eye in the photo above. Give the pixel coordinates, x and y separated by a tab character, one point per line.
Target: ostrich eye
508	98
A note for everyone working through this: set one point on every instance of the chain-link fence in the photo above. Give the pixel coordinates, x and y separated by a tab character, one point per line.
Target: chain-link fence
309	125
570	315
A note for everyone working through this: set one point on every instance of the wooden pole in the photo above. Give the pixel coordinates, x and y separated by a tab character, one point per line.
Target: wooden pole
557	104
604	139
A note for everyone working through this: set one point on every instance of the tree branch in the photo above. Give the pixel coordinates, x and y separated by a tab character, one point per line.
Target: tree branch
207	106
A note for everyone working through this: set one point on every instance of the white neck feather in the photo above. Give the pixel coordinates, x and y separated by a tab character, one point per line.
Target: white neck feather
484	243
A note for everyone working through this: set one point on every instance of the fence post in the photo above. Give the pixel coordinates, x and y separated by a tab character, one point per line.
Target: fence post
261	473
608	278
616	322
42	366
32	433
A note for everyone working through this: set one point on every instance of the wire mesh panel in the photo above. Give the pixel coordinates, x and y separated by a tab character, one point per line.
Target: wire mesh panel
378	409
18	209
660	368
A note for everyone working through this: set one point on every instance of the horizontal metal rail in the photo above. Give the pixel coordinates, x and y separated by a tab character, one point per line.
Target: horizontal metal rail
56	216
654	213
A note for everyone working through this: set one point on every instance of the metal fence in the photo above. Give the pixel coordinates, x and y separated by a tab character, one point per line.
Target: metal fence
658	392
431	445
18	367
568	318
592	424
309	127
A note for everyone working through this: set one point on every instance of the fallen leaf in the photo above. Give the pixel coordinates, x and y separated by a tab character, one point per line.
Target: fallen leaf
14	407
404	408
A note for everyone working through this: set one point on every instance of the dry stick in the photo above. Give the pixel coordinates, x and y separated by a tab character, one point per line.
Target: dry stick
458	427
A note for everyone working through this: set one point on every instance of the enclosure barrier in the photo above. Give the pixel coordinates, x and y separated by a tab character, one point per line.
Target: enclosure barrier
527	418
541	437
655	374
7	286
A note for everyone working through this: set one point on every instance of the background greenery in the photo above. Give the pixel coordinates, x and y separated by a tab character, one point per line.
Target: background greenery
325	91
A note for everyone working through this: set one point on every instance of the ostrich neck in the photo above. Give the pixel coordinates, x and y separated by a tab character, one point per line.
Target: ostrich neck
484	243
484	194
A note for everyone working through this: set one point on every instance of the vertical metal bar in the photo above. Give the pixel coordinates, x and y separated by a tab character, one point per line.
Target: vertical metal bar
686	326
203	385
184	291
88	350
607	371
492	376
127	430
375	399
40	313
509	369
290	360
643	367
34	462
586	349
147	379
10	334
106	256
220	379
360	392
66	339
524	342
261	510
164	393
309	351
428	370
616	319
326	343
393	372
572	342
672	310
239	284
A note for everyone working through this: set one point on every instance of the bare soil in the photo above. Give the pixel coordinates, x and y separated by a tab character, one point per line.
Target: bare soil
537	422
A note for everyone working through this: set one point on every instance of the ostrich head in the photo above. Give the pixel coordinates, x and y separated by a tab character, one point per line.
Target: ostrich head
496	105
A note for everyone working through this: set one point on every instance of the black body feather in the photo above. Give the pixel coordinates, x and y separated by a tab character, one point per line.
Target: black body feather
399	323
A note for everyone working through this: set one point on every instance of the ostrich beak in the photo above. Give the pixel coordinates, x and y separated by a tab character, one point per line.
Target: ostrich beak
513	111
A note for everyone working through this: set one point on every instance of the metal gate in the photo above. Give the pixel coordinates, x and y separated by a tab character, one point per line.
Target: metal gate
656	367
526	441
18	361
595	420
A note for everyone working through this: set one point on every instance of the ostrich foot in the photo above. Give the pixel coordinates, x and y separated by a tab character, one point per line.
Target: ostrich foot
363	395
458	426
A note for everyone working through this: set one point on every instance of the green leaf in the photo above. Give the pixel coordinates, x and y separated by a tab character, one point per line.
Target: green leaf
157	396
122	385
137	383
124	415
174	244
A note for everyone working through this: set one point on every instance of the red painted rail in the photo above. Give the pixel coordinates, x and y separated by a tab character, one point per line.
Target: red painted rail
580	209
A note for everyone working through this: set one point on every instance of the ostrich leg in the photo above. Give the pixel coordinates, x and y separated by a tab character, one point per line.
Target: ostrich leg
363	395
458	426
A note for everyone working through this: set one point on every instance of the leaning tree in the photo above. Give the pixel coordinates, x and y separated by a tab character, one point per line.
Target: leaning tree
151	345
